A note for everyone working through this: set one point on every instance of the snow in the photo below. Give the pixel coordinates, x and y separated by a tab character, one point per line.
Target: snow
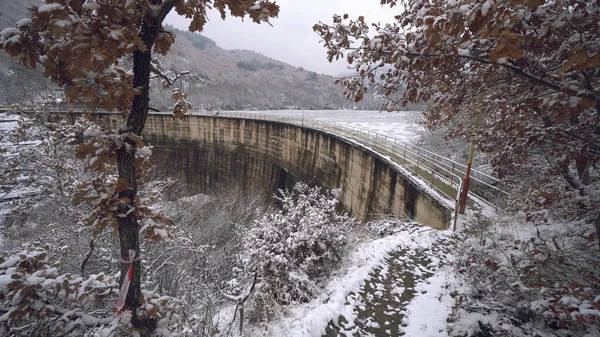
116	34
144	152
23	23
33	280
16	39
62	23
469	322
401	125
428	311
7	125
49	8
92	6
5	280
559	24
6	32
486	7
337	298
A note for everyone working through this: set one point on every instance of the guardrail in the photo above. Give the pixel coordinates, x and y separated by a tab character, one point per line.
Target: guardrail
441	174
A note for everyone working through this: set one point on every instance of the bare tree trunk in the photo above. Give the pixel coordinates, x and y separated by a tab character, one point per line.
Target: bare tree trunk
597	223
583	169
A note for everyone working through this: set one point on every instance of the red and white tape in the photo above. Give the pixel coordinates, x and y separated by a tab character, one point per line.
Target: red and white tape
127	281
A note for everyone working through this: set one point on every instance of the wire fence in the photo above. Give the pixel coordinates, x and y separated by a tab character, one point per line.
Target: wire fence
439	173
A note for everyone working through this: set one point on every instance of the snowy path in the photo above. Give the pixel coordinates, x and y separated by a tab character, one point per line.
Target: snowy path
397	285
392	299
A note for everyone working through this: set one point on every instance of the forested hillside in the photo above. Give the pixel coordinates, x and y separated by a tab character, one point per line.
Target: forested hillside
243	79
218	78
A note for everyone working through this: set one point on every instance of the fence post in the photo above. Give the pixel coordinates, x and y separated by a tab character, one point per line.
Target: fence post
457	204
498	199
418	156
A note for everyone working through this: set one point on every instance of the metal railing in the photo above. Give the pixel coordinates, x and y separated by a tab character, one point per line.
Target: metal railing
440	173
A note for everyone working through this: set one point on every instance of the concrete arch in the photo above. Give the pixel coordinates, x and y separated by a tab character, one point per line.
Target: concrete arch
209	150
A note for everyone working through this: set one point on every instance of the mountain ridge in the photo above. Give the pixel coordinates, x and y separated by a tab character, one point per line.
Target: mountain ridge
218	78
244	79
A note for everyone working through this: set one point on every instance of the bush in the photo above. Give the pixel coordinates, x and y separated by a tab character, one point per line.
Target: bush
534	279
250	66
293	247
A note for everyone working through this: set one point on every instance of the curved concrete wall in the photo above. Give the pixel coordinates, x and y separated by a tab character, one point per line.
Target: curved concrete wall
212	150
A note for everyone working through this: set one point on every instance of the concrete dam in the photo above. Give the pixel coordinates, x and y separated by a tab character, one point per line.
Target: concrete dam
212	150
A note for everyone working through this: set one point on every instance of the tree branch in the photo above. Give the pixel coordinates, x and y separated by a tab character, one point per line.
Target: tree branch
87	257
165	9
532	78
158	70
86	320
520	72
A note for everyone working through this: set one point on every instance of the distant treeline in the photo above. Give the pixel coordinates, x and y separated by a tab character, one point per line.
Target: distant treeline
197	40
255	65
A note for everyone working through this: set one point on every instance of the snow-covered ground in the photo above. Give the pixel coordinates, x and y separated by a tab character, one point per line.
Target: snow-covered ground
407	281
396	284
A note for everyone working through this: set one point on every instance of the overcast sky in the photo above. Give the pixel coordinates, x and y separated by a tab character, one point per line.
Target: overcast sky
291	39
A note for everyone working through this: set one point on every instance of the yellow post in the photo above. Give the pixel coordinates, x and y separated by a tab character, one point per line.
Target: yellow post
465	190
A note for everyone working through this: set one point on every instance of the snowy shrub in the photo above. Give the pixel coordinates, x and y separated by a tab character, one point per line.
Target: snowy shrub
291	248
37	299
35	296
530	280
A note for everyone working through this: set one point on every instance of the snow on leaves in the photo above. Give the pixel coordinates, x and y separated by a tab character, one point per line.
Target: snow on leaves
290	248
88	46
181	105
84	45
103	190
35	296
258	11
530	67
531	275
